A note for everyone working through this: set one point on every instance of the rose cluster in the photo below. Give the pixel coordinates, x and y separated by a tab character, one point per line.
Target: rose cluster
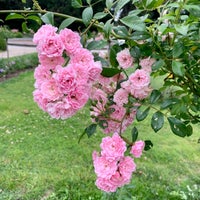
65	74
112	167
113	107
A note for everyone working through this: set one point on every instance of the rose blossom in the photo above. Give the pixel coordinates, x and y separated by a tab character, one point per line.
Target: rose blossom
146	64
51	46
113	147
83	56
104	168
51	62
65	79
71	40
137	148
125	59
105	184
139	79
121	97
45	31
50	90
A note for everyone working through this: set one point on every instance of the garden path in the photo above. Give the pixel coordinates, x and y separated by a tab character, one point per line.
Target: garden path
18	47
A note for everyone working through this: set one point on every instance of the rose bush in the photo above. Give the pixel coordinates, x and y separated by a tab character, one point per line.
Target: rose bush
154	39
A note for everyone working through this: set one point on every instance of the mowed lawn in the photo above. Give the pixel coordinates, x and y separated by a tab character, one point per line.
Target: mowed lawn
40	157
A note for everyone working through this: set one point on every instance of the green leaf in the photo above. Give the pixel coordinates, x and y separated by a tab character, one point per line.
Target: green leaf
14	16
155	95
48	18
167	103
110	72
109	4
113	54
121	4
107	28
178	68
182	29
77	3
148	145
133	22
25	28
157	121
140	35
90	130
153	4
88	1
141	115
35	18
100	15
134	133
87	15
23	1
158	64
65	23
178	127
97	44
178	49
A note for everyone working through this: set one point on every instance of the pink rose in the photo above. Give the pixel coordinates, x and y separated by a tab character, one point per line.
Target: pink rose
51	62
146	64
125	59
113	147
137	148
126	168
46	30
121	97
51	46
139	79
104	168
71	41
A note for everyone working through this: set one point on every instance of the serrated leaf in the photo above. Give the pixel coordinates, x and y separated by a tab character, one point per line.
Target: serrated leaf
110	72
34	18
134	134
66	23
148	145
157	121
14	16
178	68
141	115
178	127
48	18
77	3
109	4
100	15
87	15
155	95
96	44
133	22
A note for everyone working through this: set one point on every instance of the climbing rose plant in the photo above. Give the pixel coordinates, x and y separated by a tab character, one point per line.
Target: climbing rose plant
153	39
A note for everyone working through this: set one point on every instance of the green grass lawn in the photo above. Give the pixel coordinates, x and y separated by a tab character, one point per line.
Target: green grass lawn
41	158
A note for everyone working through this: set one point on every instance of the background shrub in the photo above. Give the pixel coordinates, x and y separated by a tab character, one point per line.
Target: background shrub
15	64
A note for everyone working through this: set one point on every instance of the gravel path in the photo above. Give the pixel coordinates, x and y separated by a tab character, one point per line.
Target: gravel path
18	47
